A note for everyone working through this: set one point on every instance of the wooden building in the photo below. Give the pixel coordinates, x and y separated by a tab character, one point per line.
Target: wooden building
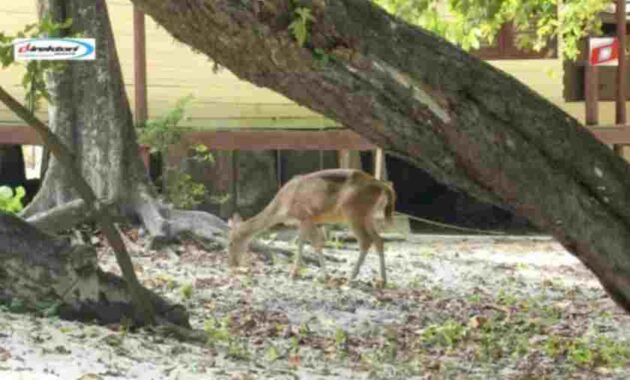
229	114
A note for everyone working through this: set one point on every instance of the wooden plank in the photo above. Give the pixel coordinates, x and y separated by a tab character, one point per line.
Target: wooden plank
286	139
278	139
202	124
19	134
614	135
209	123
620	100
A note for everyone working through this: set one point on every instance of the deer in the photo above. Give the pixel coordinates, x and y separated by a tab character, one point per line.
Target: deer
345	196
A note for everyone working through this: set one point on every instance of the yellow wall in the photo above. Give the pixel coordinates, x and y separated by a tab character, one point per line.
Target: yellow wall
221	100
545	77
174	71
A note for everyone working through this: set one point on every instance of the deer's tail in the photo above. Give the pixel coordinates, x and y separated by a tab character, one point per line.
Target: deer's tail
391	200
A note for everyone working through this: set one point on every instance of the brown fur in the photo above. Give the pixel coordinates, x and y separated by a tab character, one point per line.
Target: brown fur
323	197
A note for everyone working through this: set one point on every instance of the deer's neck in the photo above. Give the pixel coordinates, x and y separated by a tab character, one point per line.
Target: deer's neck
257	224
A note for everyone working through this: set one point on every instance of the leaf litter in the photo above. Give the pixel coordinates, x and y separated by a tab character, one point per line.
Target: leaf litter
455	308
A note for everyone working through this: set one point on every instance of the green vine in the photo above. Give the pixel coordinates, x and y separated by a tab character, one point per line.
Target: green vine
300	25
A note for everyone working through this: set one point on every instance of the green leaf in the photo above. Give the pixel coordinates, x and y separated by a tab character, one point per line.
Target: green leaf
299	26
20	192
6	192
10	202
467	22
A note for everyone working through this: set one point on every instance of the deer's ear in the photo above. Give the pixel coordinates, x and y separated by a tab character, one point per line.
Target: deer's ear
234	220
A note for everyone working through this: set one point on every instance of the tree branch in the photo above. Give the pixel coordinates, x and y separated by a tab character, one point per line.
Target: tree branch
420	98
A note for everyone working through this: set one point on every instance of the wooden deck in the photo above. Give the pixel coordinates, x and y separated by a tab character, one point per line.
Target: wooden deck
280	139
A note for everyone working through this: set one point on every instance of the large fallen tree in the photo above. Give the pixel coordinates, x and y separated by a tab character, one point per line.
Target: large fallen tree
423	99
38	270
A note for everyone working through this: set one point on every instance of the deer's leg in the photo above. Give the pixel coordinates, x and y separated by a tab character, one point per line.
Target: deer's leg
317	240
297	264
378	243
363	237
304	233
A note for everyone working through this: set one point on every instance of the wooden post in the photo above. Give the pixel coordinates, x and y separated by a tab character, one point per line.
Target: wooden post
344	159
321	160
235	173
321	156
140	67
379	164
279	168
621	70
591	93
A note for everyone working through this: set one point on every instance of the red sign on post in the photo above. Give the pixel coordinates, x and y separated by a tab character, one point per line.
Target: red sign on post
603	51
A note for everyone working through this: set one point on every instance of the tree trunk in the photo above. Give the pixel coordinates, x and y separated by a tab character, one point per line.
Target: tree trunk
427	101
90	113
38	269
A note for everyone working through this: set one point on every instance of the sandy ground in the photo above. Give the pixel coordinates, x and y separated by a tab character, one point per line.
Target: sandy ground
456	307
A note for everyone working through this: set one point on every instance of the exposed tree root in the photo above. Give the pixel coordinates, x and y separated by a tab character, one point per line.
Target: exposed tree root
182	334
64	217
199	223
149	211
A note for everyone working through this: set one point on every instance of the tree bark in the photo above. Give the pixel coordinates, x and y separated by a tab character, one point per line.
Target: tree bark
422	99
90	113
36	269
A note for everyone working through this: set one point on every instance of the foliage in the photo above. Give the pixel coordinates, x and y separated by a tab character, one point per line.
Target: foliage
447	334
183	191
165	280
219	334
469	23
299	26
33	80
203	154
341	341
187	291
15	305
10	201
160	134
589	353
